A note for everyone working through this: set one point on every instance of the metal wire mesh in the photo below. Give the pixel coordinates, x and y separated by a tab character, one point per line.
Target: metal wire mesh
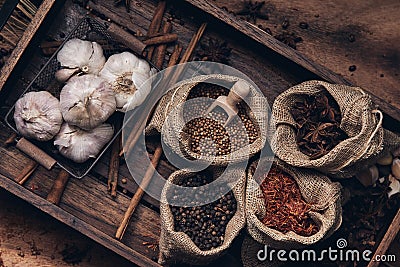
91	30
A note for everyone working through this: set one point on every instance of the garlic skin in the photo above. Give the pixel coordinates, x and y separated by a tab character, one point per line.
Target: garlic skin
64	74
37	115
396	168
80	145
127	73
85	55
87	101
394	186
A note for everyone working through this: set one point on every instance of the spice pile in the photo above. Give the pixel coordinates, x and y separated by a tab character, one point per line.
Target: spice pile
285	208
318	120
207	134
206	224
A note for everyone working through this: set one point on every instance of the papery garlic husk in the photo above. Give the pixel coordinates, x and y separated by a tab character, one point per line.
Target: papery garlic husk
64	74
80	145
127	75
37	115
396	168
394	186
85	55
87	101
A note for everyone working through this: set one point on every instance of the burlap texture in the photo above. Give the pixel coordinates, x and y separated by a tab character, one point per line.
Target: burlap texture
360	120
180	145
177	246
316	189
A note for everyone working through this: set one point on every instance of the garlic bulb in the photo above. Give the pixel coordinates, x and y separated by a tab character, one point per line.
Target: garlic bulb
87	101
85	55
80	145
37	115
127	73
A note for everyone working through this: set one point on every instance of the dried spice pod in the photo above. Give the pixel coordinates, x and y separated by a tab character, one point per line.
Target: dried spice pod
273	224
199	235
360	120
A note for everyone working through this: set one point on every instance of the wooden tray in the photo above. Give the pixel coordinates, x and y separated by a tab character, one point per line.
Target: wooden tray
86	206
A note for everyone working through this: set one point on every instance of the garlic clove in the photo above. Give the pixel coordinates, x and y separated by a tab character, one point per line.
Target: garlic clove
80	145
394	186
87	101
385	159
369	176
64	74
396	168
37	115
85	55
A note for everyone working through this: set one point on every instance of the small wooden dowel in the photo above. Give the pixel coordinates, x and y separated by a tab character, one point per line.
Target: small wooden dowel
139	192
26	173
58	187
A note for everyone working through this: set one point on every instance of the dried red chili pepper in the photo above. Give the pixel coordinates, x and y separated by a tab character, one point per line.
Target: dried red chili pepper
285	208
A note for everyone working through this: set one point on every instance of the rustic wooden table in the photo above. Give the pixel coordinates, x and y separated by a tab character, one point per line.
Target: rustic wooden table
339	34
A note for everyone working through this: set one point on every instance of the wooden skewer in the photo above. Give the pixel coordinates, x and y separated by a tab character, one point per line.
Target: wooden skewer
158	152
26	172
139	192
58	187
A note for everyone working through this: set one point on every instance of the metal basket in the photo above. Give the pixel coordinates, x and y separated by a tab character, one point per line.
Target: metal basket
87	29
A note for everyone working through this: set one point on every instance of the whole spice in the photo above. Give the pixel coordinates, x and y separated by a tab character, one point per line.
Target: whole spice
318	119
215	50
207	134
85	55
290	39
206	224
285	208
126	73
37	115
252	11
87	101
80	145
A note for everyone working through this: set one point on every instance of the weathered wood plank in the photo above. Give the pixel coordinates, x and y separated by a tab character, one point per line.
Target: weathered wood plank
26	38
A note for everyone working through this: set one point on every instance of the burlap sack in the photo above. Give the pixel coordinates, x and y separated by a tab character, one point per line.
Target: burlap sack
180	145
316	189
177	246
360	120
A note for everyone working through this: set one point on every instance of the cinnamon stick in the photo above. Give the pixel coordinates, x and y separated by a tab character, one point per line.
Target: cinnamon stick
126	38
114	167
24	175
159	54
58	187
155	24
162	39
174	59
10	140
139	192
158	152
36	153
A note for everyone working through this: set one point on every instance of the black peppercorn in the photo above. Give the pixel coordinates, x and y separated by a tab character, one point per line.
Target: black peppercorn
352	68
303	25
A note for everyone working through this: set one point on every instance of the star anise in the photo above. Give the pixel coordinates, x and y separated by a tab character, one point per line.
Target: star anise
215	50
252	11
290	39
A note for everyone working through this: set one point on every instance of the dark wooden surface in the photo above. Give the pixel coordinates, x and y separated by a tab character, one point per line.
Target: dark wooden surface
85	204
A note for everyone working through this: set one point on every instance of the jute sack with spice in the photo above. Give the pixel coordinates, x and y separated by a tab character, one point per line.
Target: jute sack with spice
365	142
290	208
169	119
195	237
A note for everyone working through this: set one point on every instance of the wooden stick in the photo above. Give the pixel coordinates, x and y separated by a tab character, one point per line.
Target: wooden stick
114	167
157	154
387	239
159	54
26	172
155	24
139	192
58	187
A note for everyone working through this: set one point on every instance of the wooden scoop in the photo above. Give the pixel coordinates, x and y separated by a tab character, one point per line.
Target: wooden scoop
229	103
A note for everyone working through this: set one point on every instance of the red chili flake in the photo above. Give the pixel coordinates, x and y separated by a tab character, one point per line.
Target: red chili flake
286	210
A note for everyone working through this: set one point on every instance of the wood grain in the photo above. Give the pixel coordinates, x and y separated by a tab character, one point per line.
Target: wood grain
26	38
